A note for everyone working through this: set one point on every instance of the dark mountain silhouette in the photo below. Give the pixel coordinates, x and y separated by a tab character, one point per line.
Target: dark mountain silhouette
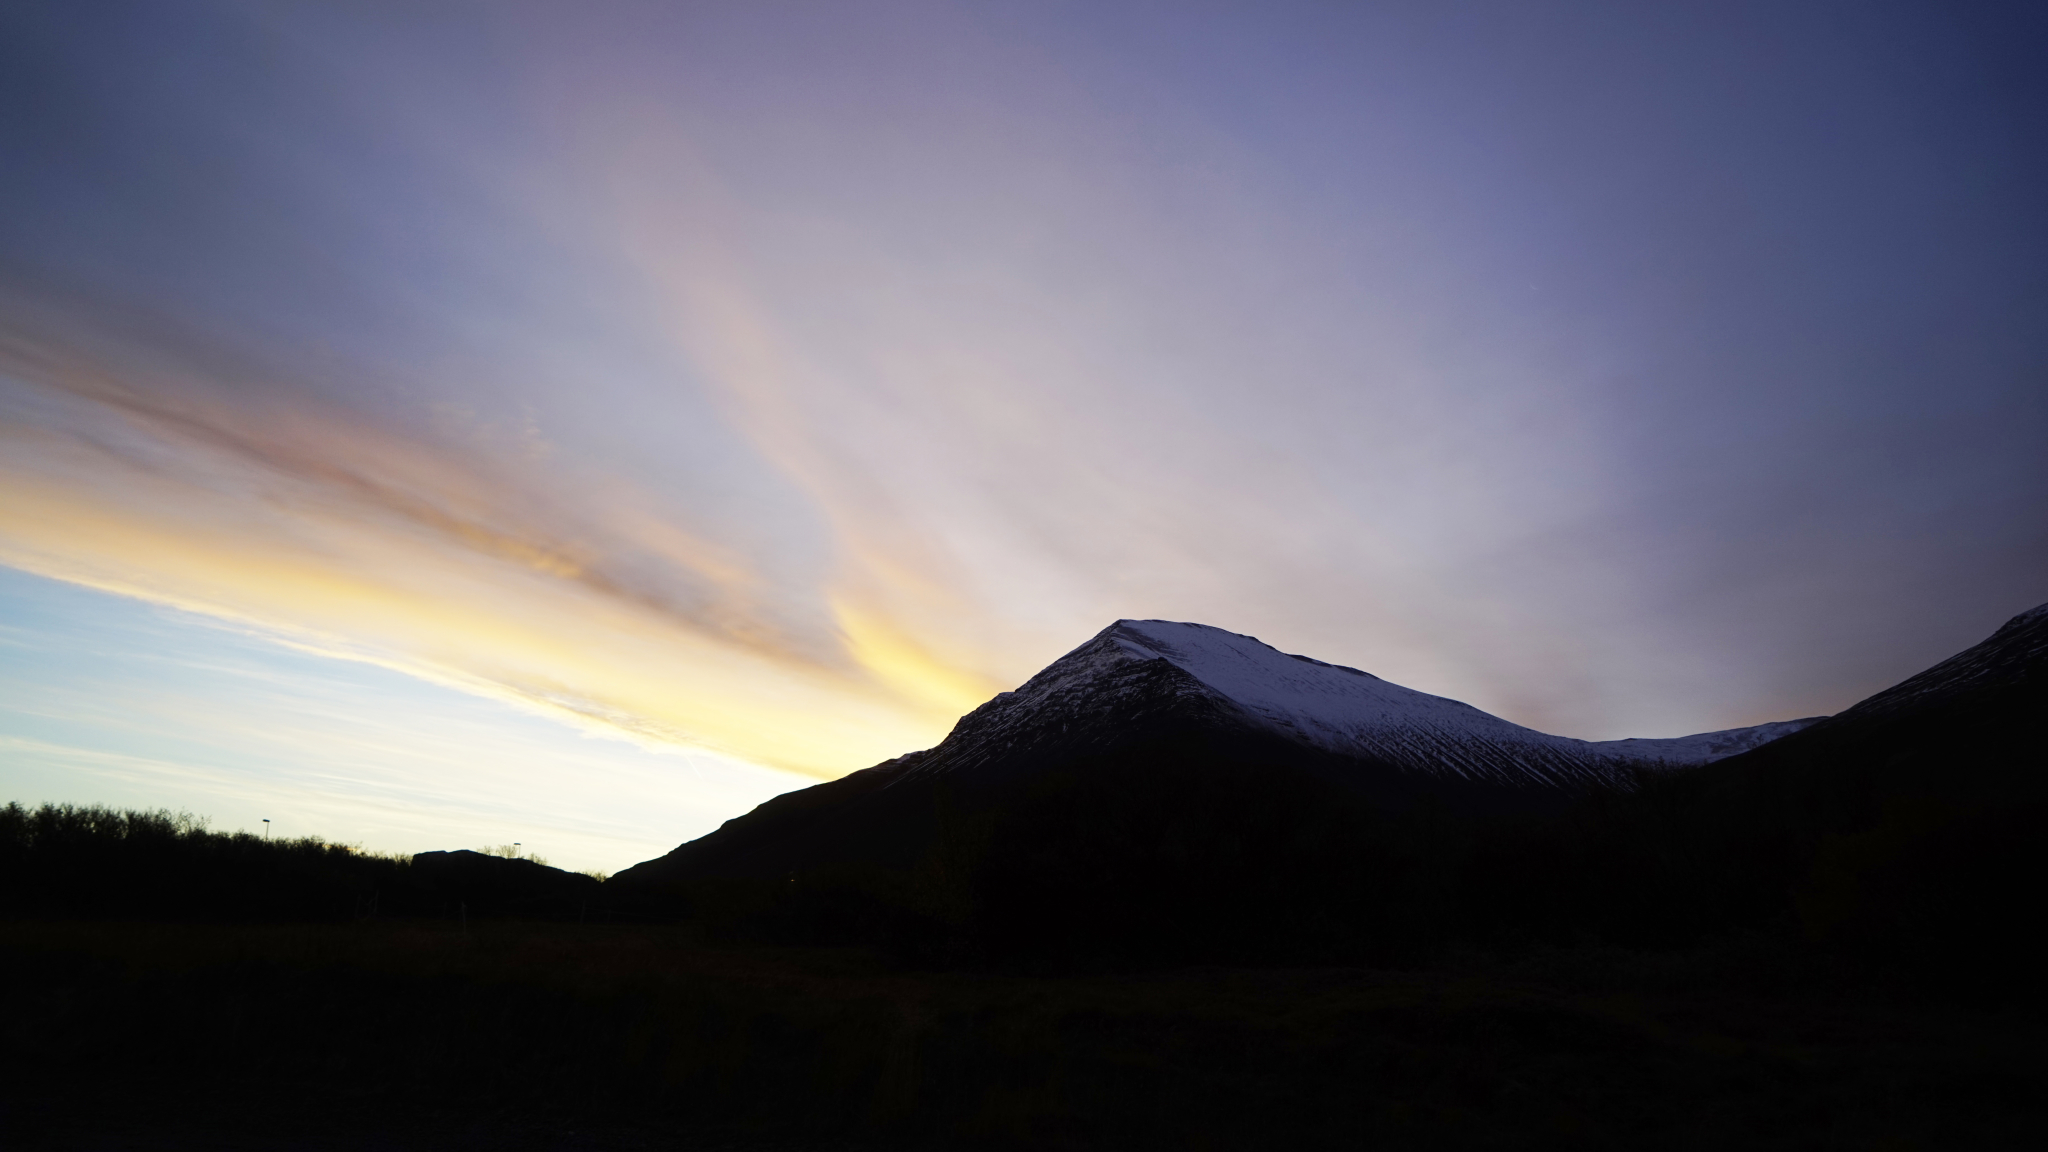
479	883
1908	826
1157	692
1985	701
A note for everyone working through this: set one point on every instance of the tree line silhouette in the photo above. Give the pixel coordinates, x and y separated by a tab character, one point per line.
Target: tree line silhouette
68	861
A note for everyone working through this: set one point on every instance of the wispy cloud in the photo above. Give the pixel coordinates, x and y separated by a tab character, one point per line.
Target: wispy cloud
380	545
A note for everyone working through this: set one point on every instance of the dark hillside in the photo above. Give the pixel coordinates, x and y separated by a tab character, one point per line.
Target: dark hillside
1152	692
481	884
1908	830
1894	843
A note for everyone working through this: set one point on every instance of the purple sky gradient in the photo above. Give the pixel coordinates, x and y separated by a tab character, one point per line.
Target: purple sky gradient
783	378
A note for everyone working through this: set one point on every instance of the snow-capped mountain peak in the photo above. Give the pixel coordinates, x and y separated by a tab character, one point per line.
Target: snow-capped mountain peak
1139	668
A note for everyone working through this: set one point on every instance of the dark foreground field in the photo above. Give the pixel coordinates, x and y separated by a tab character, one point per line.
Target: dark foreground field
518	1035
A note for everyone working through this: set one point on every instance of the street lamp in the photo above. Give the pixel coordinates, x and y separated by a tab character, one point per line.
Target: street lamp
266	827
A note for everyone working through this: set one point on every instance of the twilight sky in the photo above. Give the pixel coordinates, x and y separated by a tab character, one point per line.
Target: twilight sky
438	424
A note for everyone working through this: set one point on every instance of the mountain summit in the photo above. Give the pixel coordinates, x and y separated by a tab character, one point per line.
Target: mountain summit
1137	670
1160	692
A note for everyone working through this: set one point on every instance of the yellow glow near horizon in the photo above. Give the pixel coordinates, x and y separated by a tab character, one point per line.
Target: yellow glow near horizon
483	610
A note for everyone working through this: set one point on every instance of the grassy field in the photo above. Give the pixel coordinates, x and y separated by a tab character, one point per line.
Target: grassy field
513	1035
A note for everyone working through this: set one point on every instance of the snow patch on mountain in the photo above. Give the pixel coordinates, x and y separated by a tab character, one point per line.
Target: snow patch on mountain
1324	703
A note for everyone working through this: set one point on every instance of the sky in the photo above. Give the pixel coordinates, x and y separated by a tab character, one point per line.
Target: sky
436	424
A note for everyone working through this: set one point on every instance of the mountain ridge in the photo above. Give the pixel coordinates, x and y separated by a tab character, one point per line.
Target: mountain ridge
1333	707
1139	687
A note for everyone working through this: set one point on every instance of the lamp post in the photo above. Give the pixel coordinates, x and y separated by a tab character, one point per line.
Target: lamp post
266	827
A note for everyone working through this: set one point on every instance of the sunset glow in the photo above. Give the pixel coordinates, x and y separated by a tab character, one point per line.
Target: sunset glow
743	392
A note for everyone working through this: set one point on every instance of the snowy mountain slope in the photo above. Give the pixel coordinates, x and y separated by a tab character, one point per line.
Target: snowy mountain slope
1702	747
2015	654
1139	668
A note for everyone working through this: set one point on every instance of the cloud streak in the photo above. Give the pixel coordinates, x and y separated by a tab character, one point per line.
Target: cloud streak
380	546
